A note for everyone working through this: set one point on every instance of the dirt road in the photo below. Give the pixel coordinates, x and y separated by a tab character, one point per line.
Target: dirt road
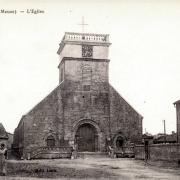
100	168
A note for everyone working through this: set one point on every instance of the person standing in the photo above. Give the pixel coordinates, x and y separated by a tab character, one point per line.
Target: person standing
3	155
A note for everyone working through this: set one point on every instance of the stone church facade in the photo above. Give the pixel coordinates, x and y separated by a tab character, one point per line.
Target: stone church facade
84	111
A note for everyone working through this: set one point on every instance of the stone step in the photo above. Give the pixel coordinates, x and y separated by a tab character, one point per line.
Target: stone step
85	155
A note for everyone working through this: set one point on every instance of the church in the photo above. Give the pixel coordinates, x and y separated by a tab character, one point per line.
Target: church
84	111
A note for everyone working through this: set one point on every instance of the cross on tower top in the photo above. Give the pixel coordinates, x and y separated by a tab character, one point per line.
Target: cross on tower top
83	24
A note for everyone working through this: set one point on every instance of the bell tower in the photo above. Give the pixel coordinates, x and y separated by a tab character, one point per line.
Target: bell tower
84	78
83	52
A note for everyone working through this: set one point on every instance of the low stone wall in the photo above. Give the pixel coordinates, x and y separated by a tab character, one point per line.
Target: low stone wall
125	151
50	153
167	152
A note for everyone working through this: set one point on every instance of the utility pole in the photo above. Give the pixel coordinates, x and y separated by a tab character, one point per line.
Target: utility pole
164	123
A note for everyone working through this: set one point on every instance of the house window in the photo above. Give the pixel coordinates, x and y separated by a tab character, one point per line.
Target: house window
50	141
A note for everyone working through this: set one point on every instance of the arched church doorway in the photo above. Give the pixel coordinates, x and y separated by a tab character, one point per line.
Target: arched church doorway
119	142
86	138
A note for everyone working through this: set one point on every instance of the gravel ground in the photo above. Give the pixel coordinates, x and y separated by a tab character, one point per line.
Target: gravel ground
91	168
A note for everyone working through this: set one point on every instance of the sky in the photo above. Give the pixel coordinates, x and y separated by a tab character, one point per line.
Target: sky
144	55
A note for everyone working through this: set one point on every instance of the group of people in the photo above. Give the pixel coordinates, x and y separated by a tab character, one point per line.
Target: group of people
3	157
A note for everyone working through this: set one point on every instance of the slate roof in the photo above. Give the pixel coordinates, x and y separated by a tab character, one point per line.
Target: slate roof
3	133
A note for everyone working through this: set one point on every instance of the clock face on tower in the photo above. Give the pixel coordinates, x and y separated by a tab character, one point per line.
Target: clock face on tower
87	51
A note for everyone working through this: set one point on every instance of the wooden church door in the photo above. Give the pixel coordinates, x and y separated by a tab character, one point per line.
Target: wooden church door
86	138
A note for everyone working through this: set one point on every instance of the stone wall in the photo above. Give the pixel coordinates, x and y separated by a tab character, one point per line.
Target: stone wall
10	140
43	120
168	152
124	119
60	112
75	68
51	153
86	104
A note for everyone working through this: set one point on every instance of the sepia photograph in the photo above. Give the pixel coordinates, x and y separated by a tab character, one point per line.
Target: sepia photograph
89	89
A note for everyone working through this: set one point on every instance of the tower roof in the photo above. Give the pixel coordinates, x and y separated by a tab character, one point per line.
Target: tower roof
3	133
84	38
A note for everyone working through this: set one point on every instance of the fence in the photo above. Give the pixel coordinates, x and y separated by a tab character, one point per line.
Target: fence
167	152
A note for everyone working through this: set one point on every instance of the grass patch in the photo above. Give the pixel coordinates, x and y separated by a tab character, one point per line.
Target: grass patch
47	171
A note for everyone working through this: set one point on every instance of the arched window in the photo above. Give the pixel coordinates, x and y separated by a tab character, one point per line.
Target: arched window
50	141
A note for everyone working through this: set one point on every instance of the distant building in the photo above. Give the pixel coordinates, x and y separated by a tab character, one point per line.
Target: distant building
10	140
177	105
3	135
168	138
84	111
